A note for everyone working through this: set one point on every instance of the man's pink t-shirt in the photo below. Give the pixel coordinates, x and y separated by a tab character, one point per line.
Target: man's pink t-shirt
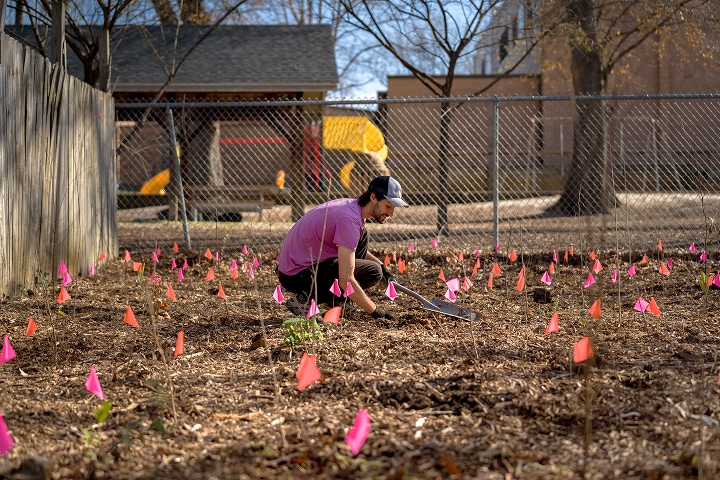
301	247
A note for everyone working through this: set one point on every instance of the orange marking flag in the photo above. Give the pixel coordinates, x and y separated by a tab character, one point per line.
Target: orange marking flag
208	254
475	268
210	275
31	328
490	281
175	247
653	307
170	293
221	293
307	372
551	268
130	317
442	276
663	269
582	350
179	344
332	315
644	259
401	265
386	261
495	269
553	325
521	280
137	266
595	309
512	256
592	255
63	295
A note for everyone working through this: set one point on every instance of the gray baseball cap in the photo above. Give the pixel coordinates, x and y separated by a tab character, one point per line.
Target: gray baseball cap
390	189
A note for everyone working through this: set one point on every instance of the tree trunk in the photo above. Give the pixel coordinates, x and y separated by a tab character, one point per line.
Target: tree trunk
442	207
588	190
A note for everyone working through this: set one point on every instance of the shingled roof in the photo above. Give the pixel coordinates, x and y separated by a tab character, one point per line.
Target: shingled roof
234	58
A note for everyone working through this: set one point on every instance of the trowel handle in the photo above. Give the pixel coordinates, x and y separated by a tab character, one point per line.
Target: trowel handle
424	301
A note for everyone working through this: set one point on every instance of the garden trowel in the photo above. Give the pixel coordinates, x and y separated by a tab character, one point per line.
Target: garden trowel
441	306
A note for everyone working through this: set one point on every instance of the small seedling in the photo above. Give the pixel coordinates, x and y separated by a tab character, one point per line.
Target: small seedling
299	330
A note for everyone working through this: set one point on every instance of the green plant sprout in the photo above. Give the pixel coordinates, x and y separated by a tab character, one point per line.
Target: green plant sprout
100	414
298	330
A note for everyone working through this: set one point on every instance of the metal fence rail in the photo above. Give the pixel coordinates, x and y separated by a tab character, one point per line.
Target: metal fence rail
602	170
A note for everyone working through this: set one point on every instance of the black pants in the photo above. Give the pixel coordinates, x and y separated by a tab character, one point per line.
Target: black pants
367	273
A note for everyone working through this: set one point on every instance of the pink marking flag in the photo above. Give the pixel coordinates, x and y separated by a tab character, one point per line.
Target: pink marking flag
181	277
597	266
332	315
554	257
349	290
250	271
692	247
255	262
614	276
66	280
277	295
411	248
127	257
590	281
313	310
233	266
632	271
641	304
335	288
170	293
670	263
173	265
6	440
185	264
716	280
477	253
244	250
434	244
450	295
546	278
92	269
390	291
307	372
210	275
358	434
208	254
453	284
467	284
154	257
92	384
62	269
703	256
582	350
553	324
498	247
7	353
217	256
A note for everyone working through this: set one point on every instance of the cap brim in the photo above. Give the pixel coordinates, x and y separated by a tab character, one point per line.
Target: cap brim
398	202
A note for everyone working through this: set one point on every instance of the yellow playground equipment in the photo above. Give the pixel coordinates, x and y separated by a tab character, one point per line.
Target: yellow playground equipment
356	134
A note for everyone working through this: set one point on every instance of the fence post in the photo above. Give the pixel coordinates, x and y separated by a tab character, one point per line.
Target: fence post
496	174
57	36
178	177
104	59
656	165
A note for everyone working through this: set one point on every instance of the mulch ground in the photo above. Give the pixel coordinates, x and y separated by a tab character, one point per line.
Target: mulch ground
495	398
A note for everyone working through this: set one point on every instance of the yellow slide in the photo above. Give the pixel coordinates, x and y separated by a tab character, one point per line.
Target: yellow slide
357	134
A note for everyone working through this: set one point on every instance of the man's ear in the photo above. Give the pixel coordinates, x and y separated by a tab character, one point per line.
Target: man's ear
373	197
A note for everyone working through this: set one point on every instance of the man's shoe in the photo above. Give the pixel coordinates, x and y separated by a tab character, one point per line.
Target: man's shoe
298	305
348	305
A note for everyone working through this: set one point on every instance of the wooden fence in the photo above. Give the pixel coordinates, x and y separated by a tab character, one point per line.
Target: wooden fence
57	170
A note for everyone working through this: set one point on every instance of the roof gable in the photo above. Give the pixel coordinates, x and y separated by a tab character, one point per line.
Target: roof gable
233	58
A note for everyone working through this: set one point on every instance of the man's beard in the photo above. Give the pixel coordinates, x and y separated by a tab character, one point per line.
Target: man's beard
379	217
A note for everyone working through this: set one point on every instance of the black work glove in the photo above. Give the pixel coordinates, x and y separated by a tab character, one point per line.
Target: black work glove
383	314
387	274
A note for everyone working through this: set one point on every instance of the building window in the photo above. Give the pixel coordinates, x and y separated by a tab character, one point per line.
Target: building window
504	43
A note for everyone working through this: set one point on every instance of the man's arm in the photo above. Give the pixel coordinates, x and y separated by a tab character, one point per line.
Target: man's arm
346	269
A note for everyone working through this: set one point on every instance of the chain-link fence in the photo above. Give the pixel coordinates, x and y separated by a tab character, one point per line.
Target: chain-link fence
539	171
